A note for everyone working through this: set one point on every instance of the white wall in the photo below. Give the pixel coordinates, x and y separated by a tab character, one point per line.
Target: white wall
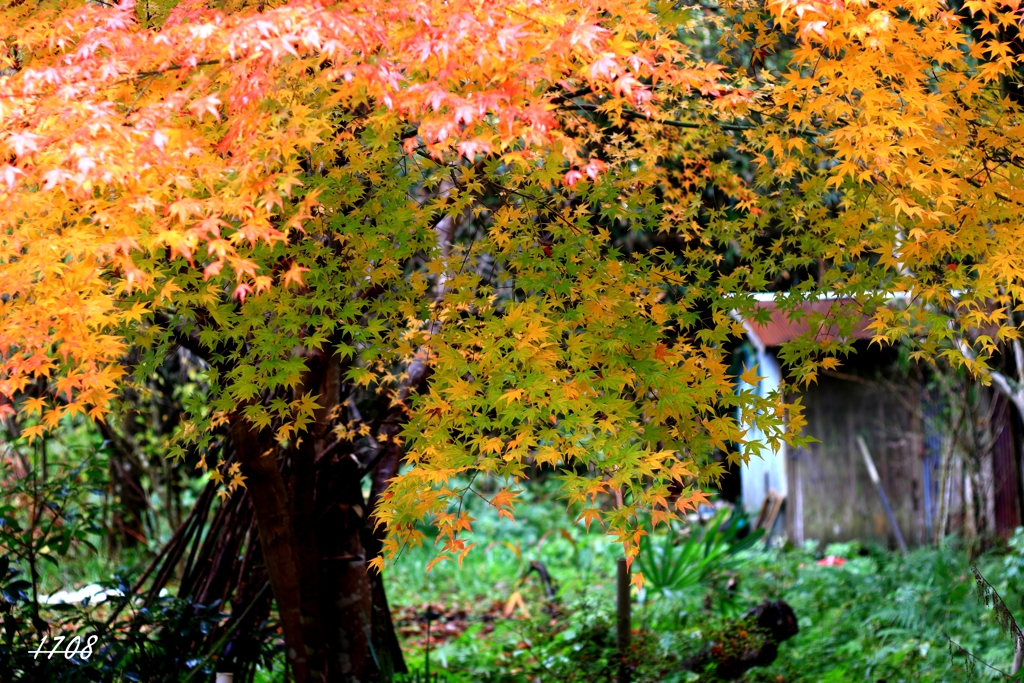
769	470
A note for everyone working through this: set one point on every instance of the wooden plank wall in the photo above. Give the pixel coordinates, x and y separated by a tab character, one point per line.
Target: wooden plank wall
836	497
1007	477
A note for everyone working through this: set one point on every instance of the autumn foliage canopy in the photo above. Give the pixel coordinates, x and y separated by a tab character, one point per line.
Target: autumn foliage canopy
556	205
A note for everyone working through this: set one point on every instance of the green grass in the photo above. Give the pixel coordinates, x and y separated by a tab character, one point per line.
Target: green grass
882	616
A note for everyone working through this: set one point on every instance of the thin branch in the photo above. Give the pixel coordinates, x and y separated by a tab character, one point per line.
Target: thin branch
999	380
629	113
968	653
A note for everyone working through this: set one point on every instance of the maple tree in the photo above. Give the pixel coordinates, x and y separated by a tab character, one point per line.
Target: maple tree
472	237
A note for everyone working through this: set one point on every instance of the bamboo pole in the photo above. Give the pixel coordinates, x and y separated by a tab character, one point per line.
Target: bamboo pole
873	473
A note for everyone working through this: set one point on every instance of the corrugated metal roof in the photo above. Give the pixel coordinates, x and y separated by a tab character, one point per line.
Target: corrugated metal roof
784	326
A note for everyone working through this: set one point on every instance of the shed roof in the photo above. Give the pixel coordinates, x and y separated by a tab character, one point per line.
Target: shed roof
784	326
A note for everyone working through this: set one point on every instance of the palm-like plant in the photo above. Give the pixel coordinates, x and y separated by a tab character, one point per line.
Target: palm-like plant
676	561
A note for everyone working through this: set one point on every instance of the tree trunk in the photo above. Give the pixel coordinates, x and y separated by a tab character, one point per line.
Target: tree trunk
316	541
277	539
347	594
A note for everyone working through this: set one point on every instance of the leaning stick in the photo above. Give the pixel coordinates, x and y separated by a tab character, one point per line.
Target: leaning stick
881	492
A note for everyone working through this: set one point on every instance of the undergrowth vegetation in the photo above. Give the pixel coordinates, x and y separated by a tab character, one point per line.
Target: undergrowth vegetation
867	614
535	602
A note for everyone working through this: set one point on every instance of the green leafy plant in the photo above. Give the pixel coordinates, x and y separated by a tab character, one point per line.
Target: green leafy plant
48	514
675	561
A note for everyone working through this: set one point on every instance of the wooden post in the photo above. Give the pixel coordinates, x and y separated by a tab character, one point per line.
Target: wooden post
430	613
873	473
624	625
799	455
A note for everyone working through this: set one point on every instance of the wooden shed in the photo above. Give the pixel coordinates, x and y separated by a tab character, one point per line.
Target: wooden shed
829	495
